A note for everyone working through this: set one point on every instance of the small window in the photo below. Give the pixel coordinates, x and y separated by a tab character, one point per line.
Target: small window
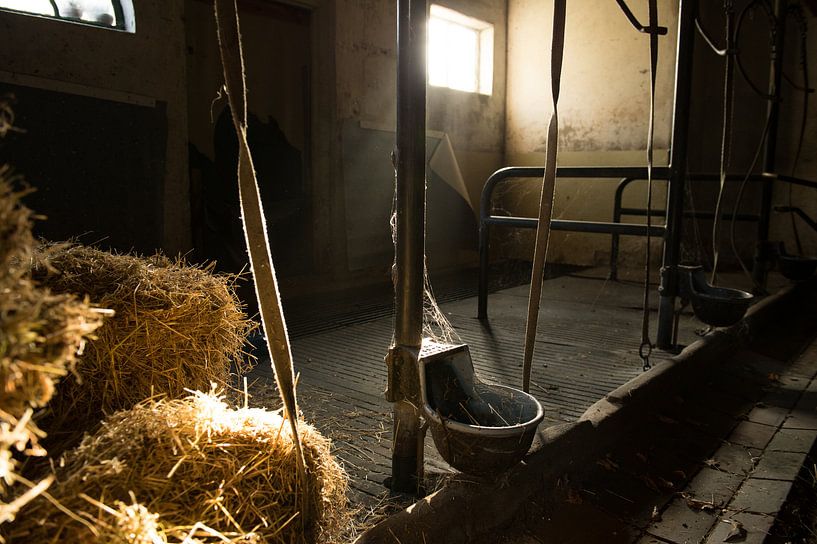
106	13
460	51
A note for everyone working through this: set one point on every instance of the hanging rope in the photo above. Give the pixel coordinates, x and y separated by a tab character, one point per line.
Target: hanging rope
548	186
645	349
255	233
726	135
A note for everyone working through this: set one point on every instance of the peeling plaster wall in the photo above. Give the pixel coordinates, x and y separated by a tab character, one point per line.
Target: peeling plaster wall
149	63
474	122
366	61
605	78
603	112
603	116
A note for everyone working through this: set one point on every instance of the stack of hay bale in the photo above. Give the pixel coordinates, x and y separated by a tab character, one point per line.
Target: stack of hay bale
157	462
165	465
204	468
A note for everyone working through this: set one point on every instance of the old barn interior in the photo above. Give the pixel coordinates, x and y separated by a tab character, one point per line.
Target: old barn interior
408	271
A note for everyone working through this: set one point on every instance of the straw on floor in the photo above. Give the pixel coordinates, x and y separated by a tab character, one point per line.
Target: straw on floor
193	461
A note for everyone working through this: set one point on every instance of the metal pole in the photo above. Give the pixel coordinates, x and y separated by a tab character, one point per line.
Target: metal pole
615	238
677	178
760	269
484	263
409	157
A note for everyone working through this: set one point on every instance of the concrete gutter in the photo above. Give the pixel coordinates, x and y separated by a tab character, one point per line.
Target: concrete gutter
467	508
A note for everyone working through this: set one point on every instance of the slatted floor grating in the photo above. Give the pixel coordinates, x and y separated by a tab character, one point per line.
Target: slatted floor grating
587	345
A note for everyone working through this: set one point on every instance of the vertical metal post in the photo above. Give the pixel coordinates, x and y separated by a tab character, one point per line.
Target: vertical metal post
760	265
677	172
615	239
484	262
409	157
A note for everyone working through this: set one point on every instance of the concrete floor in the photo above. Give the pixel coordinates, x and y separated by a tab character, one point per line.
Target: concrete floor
587	345
714	462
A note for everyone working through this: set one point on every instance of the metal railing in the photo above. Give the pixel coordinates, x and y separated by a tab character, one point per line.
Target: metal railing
619	211
626	175
488	219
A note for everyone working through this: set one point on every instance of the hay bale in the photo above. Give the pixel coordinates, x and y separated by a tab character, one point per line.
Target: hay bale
195	461
16	240
133	523
6	115
41	335
175	327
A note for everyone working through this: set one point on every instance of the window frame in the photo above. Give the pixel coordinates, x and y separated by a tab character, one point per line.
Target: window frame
484	53
124	13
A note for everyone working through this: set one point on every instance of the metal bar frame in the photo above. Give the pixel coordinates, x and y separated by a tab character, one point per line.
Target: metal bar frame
790	179
760	268
487	219
619	211
799	213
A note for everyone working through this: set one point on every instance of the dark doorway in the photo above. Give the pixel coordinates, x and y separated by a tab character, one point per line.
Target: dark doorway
276	40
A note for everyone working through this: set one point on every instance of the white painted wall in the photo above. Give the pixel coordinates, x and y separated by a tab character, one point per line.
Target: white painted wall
603	112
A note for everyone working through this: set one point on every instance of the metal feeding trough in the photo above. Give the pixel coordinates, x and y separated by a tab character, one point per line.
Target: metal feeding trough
478	428
794	267
715	306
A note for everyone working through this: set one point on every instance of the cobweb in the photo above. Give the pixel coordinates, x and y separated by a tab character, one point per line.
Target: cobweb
436	326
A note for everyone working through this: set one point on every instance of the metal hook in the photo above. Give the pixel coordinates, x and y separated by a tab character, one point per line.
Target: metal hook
644	351
659	30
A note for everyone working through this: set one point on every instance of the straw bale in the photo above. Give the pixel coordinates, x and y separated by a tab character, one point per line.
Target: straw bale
16	240
175	327
195	461
133	523
41	335
6	115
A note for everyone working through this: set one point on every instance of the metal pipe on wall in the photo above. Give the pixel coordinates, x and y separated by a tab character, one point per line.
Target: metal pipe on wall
677	177
409	162
760	269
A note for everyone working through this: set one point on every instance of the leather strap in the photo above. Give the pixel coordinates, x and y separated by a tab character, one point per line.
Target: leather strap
546	199
255	232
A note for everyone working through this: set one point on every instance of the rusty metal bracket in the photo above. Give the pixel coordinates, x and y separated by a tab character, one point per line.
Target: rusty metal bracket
403	381
668	285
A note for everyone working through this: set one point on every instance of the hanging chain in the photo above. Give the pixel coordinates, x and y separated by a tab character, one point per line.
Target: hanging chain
645	349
